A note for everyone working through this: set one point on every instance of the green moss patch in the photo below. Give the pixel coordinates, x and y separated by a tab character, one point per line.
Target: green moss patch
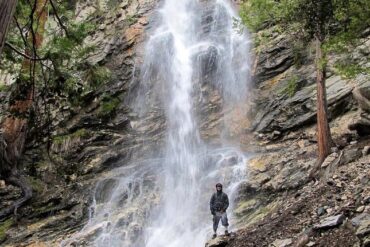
291	87
37	185
108	106
4	227
3	87
81	133
249	214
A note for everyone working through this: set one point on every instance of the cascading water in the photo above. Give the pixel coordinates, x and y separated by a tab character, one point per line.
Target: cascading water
195	44
190	31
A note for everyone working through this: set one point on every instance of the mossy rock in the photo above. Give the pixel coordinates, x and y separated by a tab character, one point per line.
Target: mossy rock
245	206
258	214
258	164
81	133
108	106
4	227
3	87
37	185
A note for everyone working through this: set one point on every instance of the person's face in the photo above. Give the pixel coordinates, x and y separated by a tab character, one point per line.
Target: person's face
218	188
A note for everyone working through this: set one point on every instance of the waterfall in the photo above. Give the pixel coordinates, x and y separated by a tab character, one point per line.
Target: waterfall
190	31
164	201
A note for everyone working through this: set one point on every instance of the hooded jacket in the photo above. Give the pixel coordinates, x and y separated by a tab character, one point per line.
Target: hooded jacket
219	202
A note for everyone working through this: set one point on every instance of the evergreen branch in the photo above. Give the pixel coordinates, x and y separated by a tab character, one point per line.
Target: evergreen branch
24	55
20	31
58	18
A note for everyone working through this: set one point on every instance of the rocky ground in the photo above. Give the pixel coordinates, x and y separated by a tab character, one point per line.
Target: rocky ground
333	212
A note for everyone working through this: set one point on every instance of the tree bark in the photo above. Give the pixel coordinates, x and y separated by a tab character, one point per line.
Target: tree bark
7	8
323	131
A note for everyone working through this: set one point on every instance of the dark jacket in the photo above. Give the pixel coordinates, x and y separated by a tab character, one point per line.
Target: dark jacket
219	202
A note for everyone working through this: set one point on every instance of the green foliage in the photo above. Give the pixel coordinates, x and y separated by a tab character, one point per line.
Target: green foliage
337	24
37	185
3	87
257	14
97	75
350	71
353	15
264	36
291	87
81	133
4	226
112	4
324	18
322	63
131	19
299	52
64	70
109	106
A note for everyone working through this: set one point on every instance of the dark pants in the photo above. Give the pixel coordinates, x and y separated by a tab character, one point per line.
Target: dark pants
216	220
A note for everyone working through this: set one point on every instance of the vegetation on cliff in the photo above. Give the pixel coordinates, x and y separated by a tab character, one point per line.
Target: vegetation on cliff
331	24
44	49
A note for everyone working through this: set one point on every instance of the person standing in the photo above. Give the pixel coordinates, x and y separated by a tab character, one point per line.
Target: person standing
218	205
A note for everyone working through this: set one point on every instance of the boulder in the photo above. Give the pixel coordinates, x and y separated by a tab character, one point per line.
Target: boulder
362	96
356	221
329	222
361	124
350	155
221	241
329	160
281	243
363	228
366	150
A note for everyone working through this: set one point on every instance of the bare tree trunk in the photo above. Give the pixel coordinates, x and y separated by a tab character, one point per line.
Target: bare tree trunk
15	126
7	8
323	131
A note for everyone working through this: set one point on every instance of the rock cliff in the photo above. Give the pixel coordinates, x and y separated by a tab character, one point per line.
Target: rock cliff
278	202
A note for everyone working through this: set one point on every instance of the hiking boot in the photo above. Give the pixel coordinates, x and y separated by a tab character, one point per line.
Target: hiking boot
227	233
214	235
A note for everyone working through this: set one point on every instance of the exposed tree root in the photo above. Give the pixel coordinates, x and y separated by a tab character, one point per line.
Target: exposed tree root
20	181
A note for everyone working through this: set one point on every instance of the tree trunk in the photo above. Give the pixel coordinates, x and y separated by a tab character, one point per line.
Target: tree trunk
7	8
15	126
323	131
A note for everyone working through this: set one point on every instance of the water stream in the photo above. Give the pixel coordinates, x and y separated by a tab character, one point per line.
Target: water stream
163	201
